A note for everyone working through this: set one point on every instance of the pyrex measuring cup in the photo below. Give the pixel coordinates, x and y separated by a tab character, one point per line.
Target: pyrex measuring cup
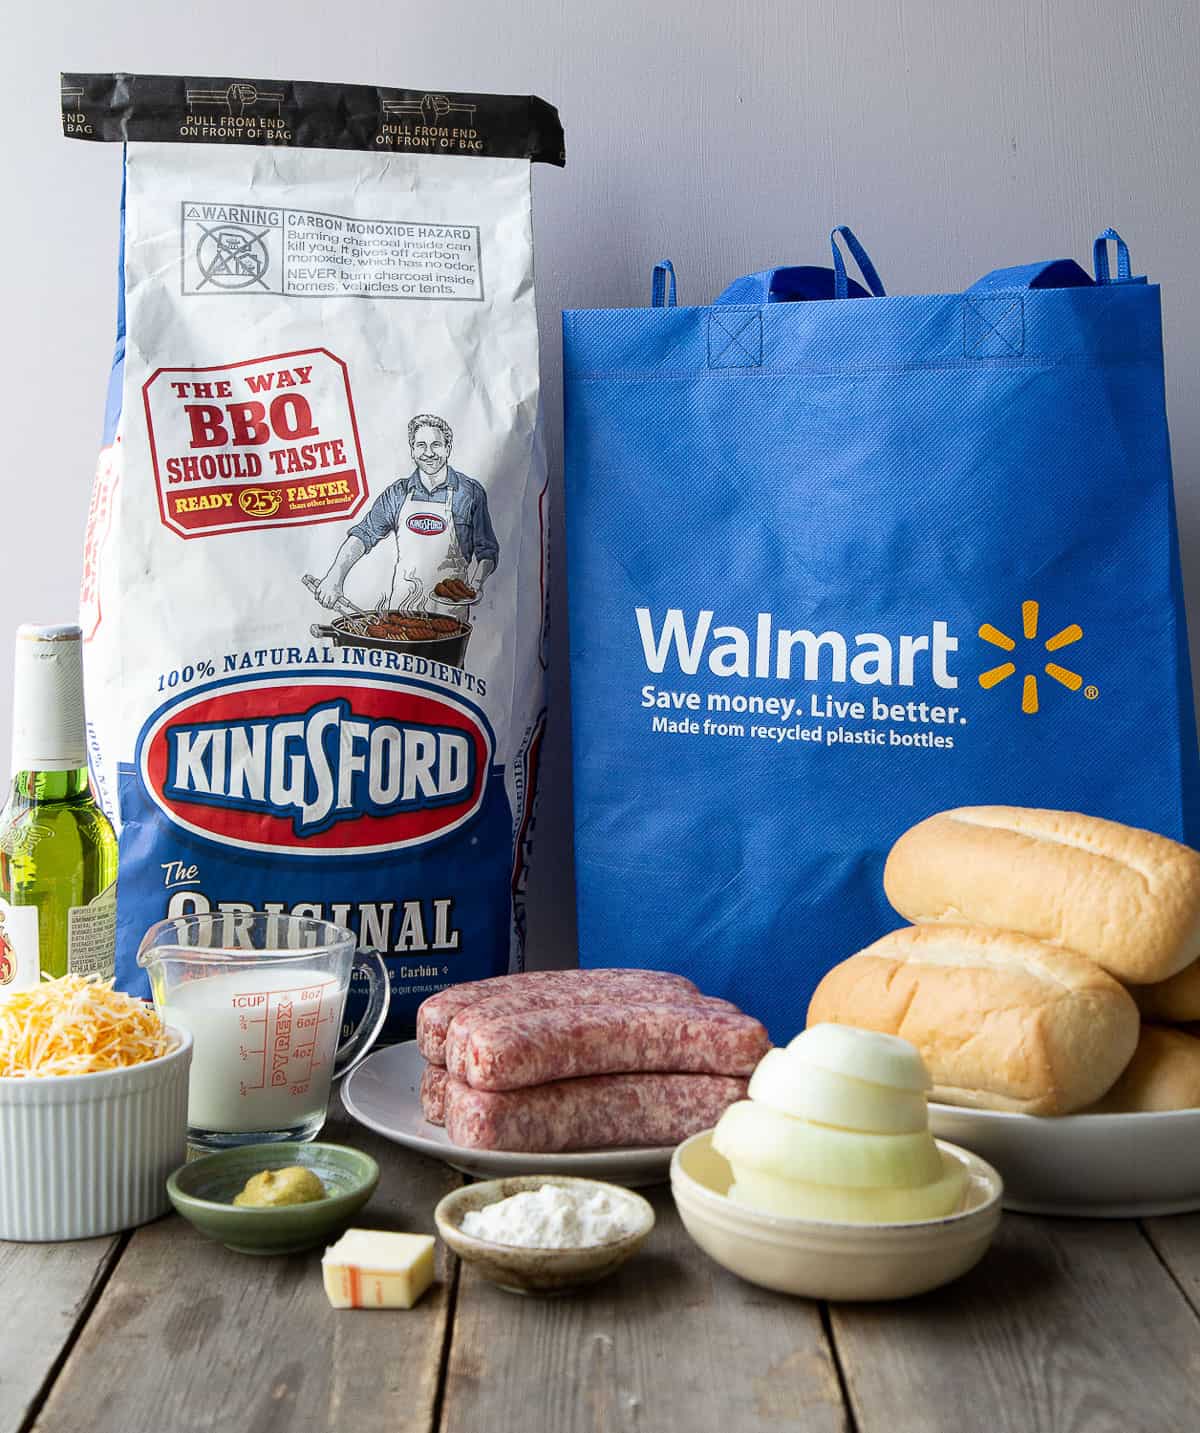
263	997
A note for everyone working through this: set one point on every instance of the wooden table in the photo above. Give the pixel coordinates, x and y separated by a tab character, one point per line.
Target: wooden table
1066	1325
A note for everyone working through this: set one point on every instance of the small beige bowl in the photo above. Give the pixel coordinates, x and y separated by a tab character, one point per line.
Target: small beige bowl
538	1271
820	1260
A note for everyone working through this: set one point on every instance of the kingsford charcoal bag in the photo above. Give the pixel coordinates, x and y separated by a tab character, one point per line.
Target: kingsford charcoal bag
840	561
314	577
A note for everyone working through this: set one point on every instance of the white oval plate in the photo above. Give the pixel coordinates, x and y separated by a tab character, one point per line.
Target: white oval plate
1091	1166
384	1094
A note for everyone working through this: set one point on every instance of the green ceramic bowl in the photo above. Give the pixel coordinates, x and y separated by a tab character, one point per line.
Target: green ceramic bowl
203	1192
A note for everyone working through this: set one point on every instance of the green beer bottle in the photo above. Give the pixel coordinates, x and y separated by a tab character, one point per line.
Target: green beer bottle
58	853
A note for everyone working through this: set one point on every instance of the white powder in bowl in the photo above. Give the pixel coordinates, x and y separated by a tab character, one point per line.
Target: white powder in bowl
553	1217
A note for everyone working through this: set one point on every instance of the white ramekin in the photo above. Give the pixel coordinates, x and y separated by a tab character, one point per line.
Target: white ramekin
82	1155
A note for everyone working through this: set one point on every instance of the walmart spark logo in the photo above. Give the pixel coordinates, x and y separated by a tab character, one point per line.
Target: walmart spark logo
1029	688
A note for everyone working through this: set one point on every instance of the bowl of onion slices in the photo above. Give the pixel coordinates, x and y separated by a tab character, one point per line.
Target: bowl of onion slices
93	1110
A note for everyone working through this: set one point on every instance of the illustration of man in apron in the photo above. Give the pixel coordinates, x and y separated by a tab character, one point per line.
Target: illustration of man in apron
439	519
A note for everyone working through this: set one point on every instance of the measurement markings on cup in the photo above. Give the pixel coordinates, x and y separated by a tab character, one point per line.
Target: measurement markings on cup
287	1016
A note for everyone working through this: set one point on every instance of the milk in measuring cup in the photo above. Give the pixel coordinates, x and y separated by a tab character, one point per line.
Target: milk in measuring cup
265	1040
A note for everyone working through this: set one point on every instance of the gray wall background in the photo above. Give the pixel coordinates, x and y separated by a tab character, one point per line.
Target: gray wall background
956	136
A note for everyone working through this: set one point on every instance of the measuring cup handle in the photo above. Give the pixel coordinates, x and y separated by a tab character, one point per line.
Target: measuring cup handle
357	1045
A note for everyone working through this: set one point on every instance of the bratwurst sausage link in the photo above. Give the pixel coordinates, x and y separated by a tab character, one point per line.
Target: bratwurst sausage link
520	1002
598	1112
575	986
609	1038
433	1094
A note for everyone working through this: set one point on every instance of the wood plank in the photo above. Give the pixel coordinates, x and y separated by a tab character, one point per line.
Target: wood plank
1066	1325
188	1335
1177	1243
44	1291
670	1342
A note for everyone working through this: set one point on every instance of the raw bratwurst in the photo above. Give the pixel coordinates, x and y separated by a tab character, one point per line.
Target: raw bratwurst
518	1003
514	1051
433	1094
600	1112
571	987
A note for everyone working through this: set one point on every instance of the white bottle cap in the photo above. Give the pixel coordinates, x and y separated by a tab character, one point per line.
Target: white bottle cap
48	733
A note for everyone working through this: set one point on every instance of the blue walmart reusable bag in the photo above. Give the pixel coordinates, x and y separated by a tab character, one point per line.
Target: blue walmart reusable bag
839	561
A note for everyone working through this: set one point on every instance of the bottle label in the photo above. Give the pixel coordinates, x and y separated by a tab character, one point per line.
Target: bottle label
20	968
92	936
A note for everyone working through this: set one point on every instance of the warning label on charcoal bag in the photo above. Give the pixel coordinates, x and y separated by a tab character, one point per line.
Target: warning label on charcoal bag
300	253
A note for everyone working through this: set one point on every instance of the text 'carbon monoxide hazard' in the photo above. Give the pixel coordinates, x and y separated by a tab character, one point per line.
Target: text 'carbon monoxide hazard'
246	249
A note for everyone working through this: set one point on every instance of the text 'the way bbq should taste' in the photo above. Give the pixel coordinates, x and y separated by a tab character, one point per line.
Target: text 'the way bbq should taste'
324	405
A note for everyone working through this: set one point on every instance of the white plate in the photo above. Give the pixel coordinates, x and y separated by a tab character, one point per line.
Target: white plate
1091	1166
449	602
384	1094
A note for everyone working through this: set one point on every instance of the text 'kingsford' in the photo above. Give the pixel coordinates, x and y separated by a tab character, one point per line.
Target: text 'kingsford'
323	766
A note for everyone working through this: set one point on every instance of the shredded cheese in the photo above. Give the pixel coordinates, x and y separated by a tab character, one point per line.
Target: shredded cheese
76	1025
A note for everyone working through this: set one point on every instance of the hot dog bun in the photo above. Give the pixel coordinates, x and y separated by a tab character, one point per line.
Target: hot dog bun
1174	1001
1164	1074
1004	1022
1125	898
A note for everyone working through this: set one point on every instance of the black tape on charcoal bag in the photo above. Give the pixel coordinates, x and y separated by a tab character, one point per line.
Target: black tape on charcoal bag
305	114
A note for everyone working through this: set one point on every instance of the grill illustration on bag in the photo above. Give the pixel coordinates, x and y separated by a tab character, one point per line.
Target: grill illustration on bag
440	523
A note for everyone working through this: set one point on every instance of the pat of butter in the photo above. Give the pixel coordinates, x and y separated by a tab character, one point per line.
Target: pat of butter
369	1269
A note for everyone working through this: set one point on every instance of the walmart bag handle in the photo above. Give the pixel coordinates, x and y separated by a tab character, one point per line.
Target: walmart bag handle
784	284
662	285
1100	257
841	288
